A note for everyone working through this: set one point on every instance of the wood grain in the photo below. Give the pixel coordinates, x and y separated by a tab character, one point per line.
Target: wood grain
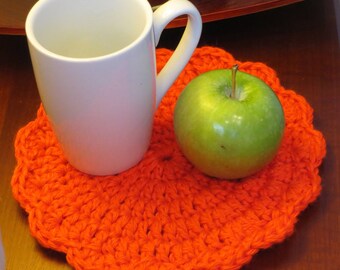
299	41
13	12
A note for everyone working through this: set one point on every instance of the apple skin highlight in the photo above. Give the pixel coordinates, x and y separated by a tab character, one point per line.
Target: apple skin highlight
228	137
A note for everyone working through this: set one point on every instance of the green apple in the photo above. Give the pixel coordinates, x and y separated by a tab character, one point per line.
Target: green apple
229	124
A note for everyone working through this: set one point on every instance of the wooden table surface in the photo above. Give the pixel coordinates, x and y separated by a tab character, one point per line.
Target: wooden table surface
300	41
13	12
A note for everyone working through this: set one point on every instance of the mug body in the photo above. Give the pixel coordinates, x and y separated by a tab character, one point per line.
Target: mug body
94	63
2	254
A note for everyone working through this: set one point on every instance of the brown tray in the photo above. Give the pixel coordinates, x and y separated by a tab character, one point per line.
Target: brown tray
13	12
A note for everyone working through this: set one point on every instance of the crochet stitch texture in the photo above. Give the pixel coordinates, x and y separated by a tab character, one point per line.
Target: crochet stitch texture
163	213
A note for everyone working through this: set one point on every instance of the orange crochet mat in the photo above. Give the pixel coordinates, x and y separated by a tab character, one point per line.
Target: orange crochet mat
163	213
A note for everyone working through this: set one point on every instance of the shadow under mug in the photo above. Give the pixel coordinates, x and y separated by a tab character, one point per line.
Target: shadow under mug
95	68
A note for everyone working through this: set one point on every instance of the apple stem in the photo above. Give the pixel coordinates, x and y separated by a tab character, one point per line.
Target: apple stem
233	81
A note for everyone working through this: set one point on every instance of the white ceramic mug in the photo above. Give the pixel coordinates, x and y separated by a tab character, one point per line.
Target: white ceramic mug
2	255
94	63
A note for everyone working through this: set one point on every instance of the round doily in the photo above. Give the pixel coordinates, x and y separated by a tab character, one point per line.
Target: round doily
163	213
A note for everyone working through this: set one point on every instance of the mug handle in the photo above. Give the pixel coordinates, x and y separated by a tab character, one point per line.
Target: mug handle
188	43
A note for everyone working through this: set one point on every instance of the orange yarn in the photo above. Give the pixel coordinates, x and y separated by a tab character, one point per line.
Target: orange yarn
163	213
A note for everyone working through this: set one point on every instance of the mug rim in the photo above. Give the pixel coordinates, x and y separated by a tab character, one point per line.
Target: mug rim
32	38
